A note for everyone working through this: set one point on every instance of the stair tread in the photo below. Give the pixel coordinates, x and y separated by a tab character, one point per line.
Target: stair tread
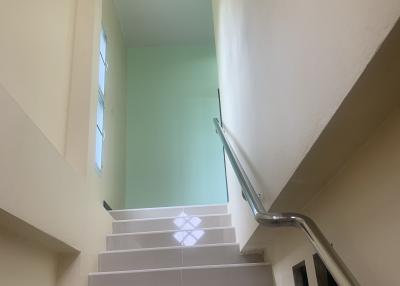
172	207
149	247
182	268
167	231
168	218
169	247
168	212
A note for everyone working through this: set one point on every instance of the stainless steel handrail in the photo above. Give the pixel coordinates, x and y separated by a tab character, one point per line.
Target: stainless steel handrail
333	262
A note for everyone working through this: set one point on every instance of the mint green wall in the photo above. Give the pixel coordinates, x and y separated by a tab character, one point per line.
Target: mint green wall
174	156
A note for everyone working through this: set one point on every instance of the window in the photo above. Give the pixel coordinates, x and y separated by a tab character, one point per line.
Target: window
100	102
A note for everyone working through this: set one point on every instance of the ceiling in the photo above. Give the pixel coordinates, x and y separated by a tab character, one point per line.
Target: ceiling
165	22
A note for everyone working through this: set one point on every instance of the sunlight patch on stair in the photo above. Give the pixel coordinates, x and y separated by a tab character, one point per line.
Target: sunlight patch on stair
187	235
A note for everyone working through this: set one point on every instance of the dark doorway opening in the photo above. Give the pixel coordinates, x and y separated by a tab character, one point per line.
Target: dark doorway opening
324	277
300	274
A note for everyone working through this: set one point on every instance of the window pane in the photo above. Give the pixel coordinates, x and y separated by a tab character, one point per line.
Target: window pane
102	75
99	149
100	114
103	45
100	103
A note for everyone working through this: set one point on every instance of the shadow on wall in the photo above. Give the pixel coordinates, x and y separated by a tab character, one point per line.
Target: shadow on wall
350	181
38	255
372	98
65	262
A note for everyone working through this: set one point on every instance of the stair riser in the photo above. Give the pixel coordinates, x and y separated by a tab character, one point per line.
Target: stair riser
171	224
169	239
178	257
168	212
230	276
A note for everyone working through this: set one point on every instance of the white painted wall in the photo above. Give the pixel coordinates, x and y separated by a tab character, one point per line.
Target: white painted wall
284	68
357	211
40	188
35	56
111	182
32	261
47	123
83	83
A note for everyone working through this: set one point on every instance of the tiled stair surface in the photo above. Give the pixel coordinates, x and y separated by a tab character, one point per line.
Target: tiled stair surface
177	246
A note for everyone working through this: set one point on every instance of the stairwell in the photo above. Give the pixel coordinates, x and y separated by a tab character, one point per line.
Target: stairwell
177	246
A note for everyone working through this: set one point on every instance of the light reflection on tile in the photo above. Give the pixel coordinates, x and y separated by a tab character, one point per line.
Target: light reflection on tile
197	234
187	236
180	235
195	221
189	241
179	221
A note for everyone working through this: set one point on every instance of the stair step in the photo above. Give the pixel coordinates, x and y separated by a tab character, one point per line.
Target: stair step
250	274
171	223
170	238
168	212
168	257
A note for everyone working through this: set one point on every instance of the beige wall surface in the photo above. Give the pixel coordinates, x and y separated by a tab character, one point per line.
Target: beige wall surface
357	211
35	56
284	69
40	188
83	86
38	184
111	181
33	263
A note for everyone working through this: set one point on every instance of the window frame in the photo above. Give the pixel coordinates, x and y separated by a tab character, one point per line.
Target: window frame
99	154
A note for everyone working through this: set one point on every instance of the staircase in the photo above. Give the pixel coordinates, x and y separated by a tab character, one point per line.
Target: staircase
177	246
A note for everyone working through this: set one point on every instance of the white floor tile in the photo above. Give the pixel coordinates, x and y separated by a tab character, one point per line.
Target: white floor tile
215	255
139	260
224	275
168	212
171	238
229	276
174	257
174	223
154	278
